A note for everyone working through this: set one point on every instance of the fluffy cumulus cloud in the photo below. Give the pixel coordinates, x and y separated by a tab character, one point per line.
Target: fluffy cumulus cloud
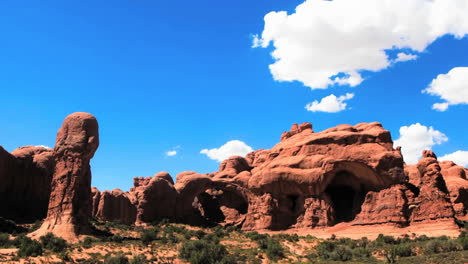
460	157
332	42
231	148
171	153
451	87
330	104
416	138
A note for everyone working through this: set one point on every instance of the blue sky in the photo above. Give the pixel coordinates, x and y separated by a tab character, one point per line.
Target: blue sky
164	75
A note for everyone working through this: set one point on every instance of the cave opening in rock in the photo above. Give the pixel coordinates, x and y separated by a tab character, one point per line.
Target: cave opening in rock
346	194
221	207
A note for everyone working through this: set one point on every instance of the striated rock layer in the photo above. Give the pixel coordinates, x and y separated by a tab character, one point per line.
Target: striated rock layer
70	204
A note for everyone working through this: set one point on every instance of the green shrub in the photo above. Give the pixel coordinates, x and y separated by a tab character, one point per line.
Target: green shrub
203	252
341	253
274	250
440	246
386	239
148	235
53	243
422	238
118	259
361	252
4	240
403	250
139	259
463	240
325	249
29	247
200	234
88	242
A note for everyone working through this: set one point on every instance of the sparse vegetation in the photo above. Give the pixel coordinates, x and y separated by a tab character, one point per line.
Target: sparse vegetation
28	247
53	243
204	252
166	242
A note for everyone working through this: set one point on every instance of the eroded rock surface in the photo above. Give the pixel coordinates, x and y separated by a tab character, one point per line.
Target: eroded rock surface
70	204
346	176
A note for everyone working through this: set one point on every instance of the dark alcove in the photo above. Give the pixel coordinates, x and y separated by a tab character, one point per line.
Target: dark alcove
347	194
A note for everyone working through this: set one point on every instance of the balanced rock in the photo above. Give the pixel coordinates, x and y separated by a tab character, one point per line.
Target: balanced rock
70	201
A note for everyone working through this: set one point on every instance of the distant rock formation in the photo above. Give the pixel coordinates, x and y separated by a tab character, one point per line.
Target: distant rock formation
344	176
25	177
70	201
115	206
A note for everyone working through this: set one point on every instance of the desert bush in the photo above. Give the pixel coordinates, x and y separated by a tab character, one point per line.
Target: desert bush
171	238
200	234
422	238
463	240
274	250
204	252
4	240
139	259
341	253
28	247
53	243
440	246
118	259
148	235
361	252
325	249
88	242
382	239
403	250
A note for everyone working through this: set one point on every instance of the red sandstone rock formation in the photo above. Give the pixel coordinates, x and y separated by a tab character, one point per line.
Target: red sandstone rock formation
155	198
347	175
334	168
70	200
115	206
25	177
455	178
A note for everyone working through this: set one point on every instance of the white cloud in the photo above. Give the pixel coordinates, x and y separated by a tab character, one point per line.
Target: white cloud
231	148
171	153
326	39
460	157
329	104
405	57
44	146
416	138
451	87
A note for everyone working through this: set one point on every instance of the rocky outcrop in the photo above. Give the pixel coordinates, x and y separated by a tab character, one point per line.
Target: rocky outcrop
25	177
70	201
455	178
344	176
148	192
115	206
